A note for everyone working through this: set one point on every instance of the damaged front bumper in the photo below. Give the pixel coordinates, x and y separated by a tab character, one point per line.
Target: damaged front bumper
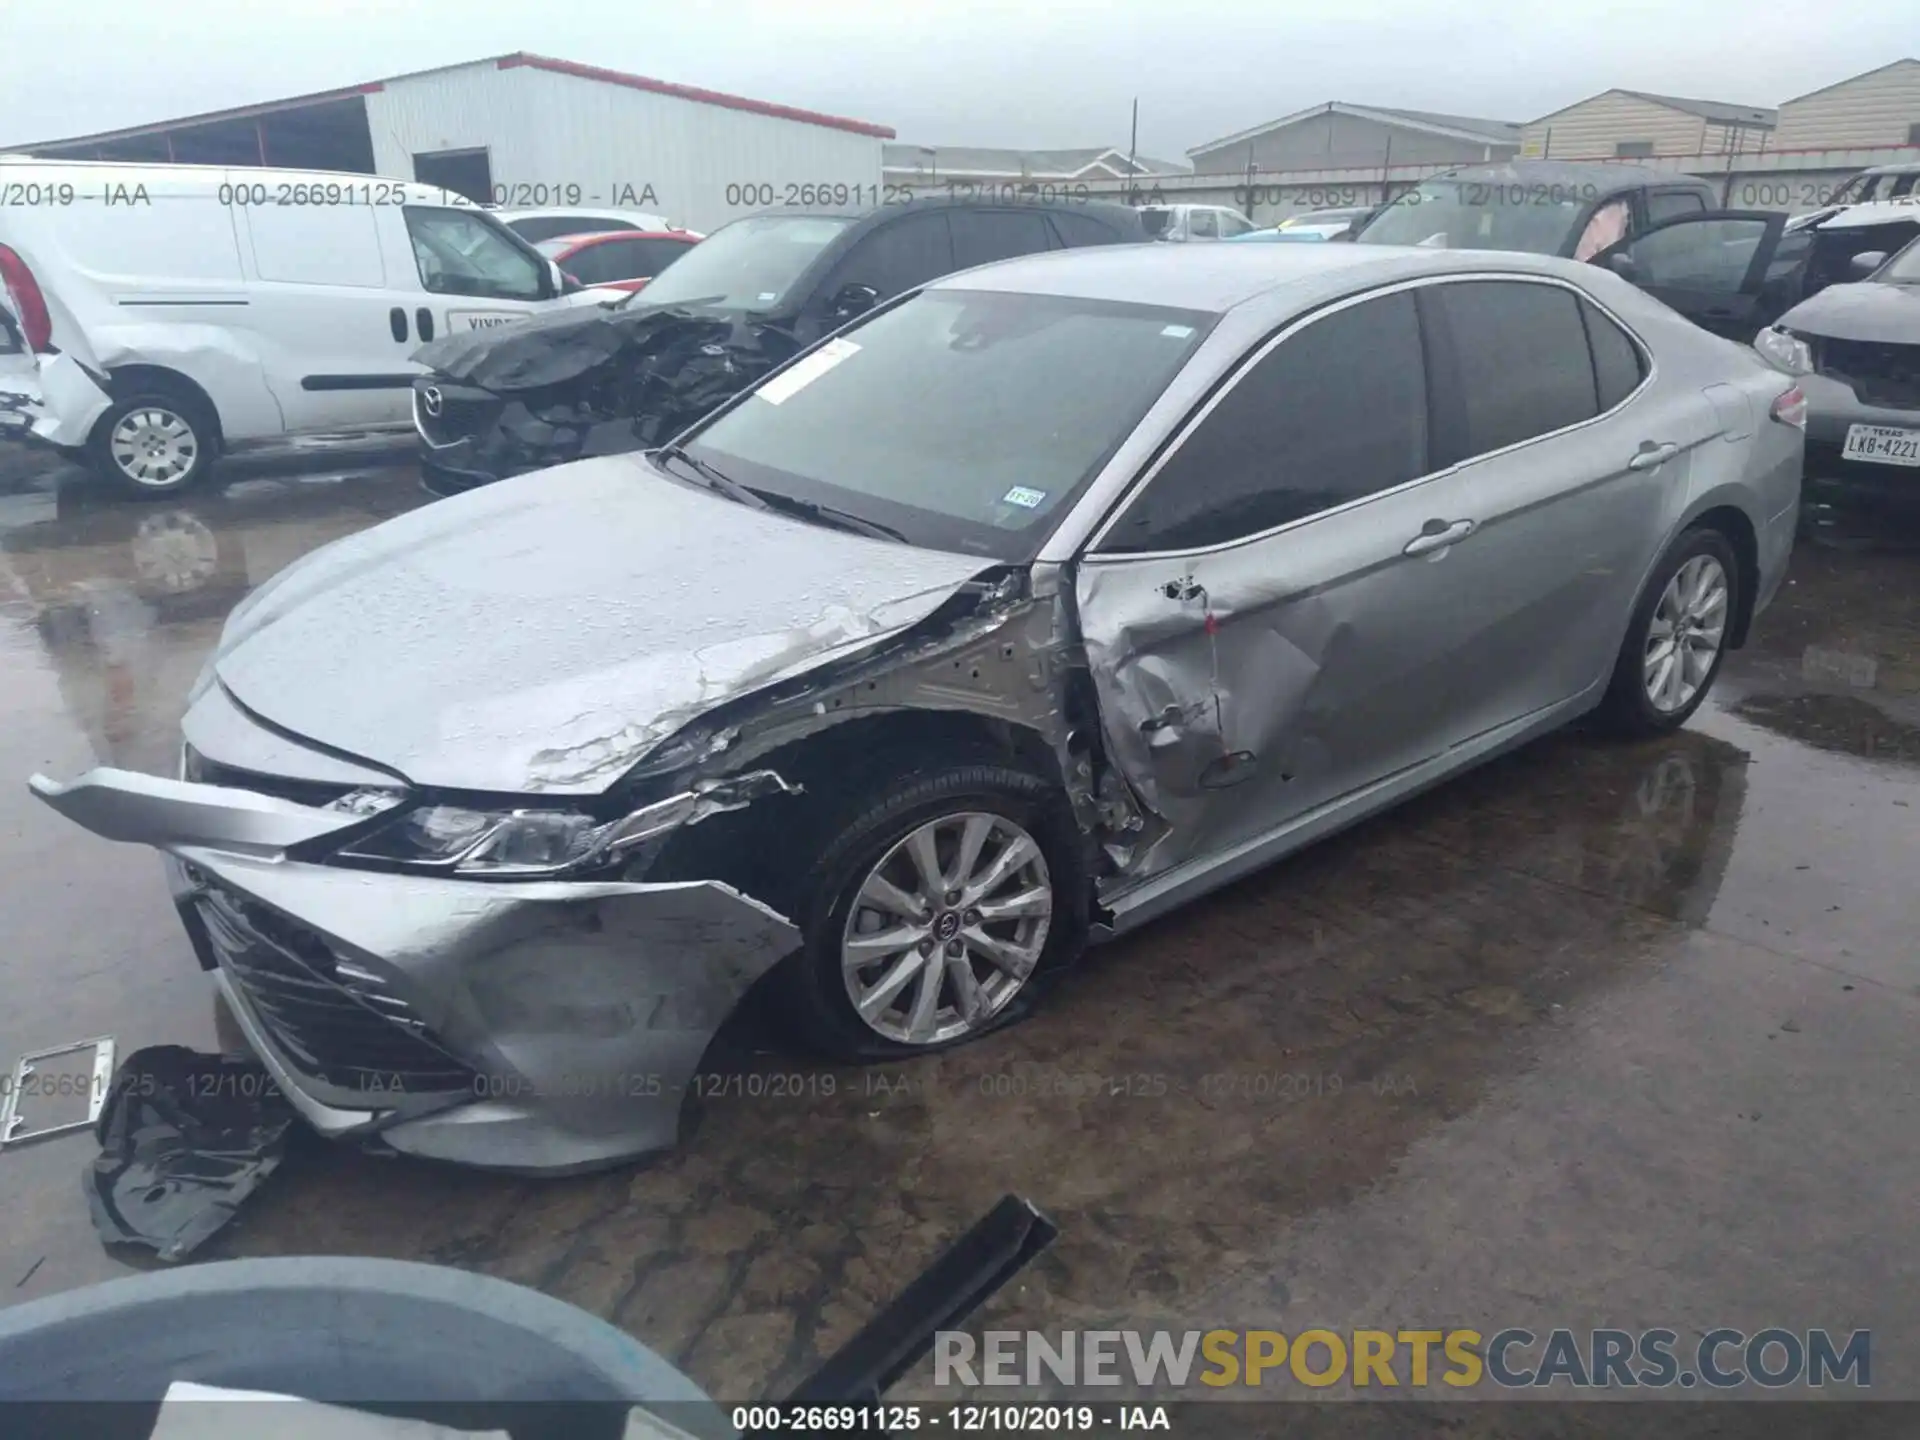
539	1025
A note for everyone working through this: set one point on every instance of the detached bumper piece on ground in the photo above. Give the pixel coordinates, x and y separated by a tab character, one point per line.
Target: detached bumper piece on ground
184	1139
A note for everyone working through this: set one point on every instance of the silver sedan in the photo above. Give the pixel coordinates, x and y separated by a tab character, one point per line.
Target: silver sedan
1033	604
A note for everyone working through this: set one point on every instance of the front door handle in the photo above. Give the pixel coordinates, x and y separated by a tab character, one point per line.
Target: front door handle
1651	456
1437	535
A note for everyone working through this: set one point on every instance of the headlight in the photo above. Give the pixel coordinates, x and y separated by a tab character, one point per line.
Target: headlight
1785	350
516	842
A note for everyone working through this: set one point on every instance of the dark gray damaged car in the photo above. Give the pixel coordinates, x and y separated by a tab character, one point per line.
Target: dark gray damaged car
1026	609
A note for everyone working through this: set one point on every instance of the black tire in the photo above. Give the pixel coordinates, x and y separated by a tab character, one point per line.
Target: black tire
1628	709
172	403
820	1007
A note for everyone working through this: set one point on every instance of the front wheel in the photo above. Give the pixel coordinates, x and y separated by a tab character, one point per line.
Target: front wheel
938	913
1677	638
153	442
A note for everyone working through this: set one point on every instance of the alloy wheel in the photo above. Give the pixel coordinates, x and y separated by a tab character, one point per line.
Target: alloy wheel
1684	637
153	446
947	928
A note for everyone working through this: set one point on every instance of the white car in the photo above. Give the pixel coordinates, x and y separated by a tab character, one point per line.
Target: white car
172	312
1194	222
536	225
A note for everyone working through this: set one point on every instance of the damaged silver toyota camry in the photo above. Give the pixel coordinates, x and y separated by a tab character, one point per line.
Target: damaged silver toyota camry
1035	603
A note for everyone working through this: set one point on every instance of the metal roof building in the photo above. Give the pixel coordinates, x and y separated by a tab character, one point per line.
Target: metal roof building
1627	124
1337	135
528	130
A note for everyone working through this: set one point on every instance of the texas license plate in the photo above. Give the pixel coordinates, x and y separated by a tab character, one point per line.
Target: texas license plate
1882	444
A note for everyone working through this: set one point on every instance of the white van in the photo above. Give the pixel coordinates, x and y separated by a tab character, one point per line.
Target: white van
177	311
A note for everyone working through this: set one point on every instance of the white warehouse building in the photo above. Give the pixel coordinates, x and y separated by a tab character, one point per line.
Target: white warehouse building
525	130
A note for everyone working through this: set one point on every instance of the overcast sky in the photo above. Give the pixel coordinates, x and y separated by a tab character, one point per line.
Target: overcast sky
982	72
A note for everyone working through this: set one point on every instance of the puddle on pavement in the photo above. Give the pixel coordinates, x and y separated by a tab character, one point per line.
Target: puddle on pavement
1843	724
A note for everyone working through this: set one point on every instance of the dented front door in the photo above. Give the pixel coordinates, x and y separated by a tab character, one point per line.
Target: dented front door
1243	686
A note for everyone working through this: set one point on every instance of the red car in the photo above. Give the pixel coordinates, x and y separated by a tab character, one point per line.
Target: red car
618	259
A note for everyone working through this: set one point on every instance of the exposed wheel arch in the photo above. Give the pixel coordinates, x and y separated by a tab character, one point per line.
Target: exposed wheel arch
1732	522
129	379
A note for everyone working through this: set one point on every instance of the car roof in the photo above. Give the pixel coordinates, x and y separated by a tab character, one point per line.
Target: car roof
1570	172
1901	167
1214	279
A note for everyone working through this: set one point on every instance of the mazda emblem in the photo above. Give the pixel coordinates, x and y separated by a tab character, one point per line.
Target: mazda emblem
430	400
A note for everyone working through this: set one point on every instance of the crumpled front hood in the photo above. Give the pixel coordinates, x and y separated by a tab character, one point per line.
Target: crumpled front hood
1859	311
563	346
541	634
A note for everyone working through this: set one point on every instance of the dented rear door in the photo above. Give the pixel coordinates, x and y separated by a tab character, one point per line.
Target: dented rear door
1279	616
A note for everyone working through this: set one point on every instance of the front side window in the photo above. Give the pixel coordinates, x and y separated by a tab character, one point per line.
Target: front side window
897	256
983	236
1710	255
966	420
1607	227
1335	412
1511	362
1482	215
1203	225
748	265
463	252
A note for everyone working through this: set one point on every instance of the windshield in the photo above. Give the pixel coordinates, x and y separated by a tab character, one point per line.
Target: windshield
748	265
1904	268
1482	215
965	420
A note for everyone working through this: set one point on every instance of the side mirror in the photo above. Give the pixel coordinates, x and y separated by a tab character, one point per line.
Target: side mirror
1623	265
1865	263
853	299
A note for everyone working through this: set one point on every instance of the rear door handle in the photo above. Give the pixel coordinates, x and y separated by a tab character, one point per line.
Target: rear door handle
1651	456
1437	535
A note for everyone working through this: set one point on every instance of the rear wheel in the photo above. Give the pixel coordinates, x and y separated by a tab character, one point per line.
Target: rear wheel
937	913
1677	638
156	440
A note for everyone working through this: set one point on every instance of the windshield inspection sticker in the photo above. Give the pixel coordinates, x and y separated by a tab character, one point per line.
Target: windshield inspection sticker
1176	332
1023	497
797	377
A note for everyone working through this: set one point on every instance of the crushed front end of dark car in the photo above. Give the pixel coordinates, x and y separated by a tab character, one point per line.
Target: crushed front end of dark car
599	381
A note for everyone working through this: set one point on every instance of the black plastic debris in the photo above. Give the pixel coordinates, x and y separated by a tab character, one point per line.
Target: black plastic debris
184	1138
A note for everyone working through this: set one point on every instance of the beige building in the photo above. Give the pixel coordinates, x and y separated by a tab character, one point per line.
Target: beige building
1881	107
1632	124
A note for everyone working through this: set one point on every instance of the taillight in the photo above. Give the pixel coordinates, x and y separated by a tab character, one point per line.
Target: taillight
27	300
1790	408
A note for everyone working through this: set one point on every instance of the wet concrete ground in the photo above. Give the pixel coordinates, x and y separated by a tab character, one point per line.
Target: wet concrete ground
1601	1034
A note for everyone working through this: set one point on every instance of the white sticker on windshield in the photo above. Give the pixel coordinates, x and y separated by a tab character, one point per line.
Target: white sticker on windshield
1023	497
797	377
1176	332
766	296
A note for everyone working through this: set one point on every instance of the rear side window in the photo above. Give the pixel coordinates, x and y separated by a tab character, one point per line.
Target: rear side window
1511	362
1081	229
983	236
898	256
1334	413
1617	366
